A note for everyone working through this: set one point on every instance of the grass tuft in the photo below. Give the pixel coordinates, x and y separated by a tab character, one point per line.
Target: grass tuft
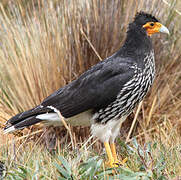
152	160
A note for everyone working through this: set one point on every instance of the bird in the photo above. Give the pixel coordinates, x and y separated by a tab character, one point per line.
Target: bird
104	95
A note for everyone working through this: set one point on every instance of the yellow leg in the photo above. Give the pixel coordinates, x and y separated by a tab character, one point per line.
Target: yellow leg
113	150
114	154
111	161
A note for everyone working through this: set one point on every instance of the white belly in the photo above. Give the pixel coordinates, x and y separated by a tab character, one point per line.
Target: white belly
105	132
109	131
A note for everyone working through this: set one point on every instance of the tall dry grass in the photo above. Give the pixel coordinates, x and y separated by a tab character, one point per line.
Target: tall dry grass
46	44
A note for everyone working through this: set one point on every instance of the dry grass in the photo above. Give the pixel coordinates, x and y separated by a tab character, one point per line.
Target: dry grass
45	45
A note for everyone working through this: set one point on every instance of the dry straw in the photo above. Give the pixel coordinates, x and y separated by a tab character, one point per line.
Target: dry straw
45	45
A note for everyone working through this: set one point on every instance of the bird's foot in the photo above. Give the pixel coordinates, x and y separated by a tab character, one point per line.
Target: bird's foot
121	163
112	164
115	163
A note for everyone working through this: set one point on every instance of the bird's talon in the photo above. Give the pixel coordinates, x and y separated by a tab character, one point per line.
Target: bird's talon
115	164
111	164
121	163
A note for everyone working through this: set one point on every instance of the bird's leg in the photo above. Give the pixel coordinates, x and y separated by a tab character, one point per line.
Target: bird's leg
111	161
113	150
114	154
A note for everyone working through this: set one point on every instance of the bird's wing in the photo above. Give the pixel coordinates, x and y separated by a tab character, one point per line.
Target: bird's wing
94	89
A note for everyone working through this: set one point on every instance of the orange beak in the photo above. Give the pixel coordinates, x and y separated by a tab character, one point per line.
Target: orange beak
157	27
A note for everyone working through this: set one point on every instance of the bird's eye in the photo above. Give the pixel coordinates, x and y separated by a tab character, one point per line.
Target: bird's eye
151	24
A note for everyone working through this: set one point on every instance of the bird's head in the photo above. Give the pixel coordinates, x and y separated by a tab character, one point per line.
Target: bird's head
149	23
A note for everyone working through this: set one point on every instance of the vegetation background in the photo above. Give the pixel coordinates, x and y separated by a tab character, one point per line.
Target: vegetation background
45	44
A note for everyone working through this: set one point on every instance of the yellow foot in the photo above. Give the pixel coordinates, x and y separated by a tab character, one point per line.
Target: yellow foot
121	163
111	164
116	163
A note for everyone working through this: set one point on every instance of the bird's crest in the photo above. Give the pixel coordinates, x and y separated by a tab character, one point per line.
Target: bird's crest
143	17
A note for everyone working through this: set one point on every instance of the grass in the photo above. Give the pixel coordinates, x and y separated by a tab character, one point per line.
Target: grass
45	45
144	162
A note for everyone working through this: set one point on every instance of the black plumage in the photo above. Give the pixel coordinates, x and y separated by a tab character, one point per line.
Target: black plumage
92	90
105	94
98	88
108	92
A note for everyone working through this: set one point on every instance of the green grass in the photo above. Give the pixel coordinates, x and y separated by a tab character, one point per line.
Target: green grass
152	161
45	45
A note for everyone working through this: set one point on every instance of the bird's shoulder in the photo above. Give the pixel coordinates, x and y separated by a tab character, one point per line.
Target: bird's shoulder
111	66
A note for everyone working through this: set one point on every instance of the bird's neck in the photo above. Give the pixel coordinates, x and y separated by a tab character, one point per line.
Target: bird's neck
137	42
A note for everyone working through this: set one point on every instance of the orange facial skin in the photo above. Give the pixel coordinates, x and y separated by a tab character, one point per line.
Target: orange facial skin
152	27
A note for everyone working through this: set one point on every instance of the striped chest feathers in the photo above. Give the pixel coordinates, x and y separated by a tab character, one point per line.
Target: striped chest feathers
132	92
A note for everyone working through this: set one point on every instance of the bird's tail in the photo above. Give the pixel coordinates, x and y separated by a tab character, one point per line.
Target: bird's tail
25	119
